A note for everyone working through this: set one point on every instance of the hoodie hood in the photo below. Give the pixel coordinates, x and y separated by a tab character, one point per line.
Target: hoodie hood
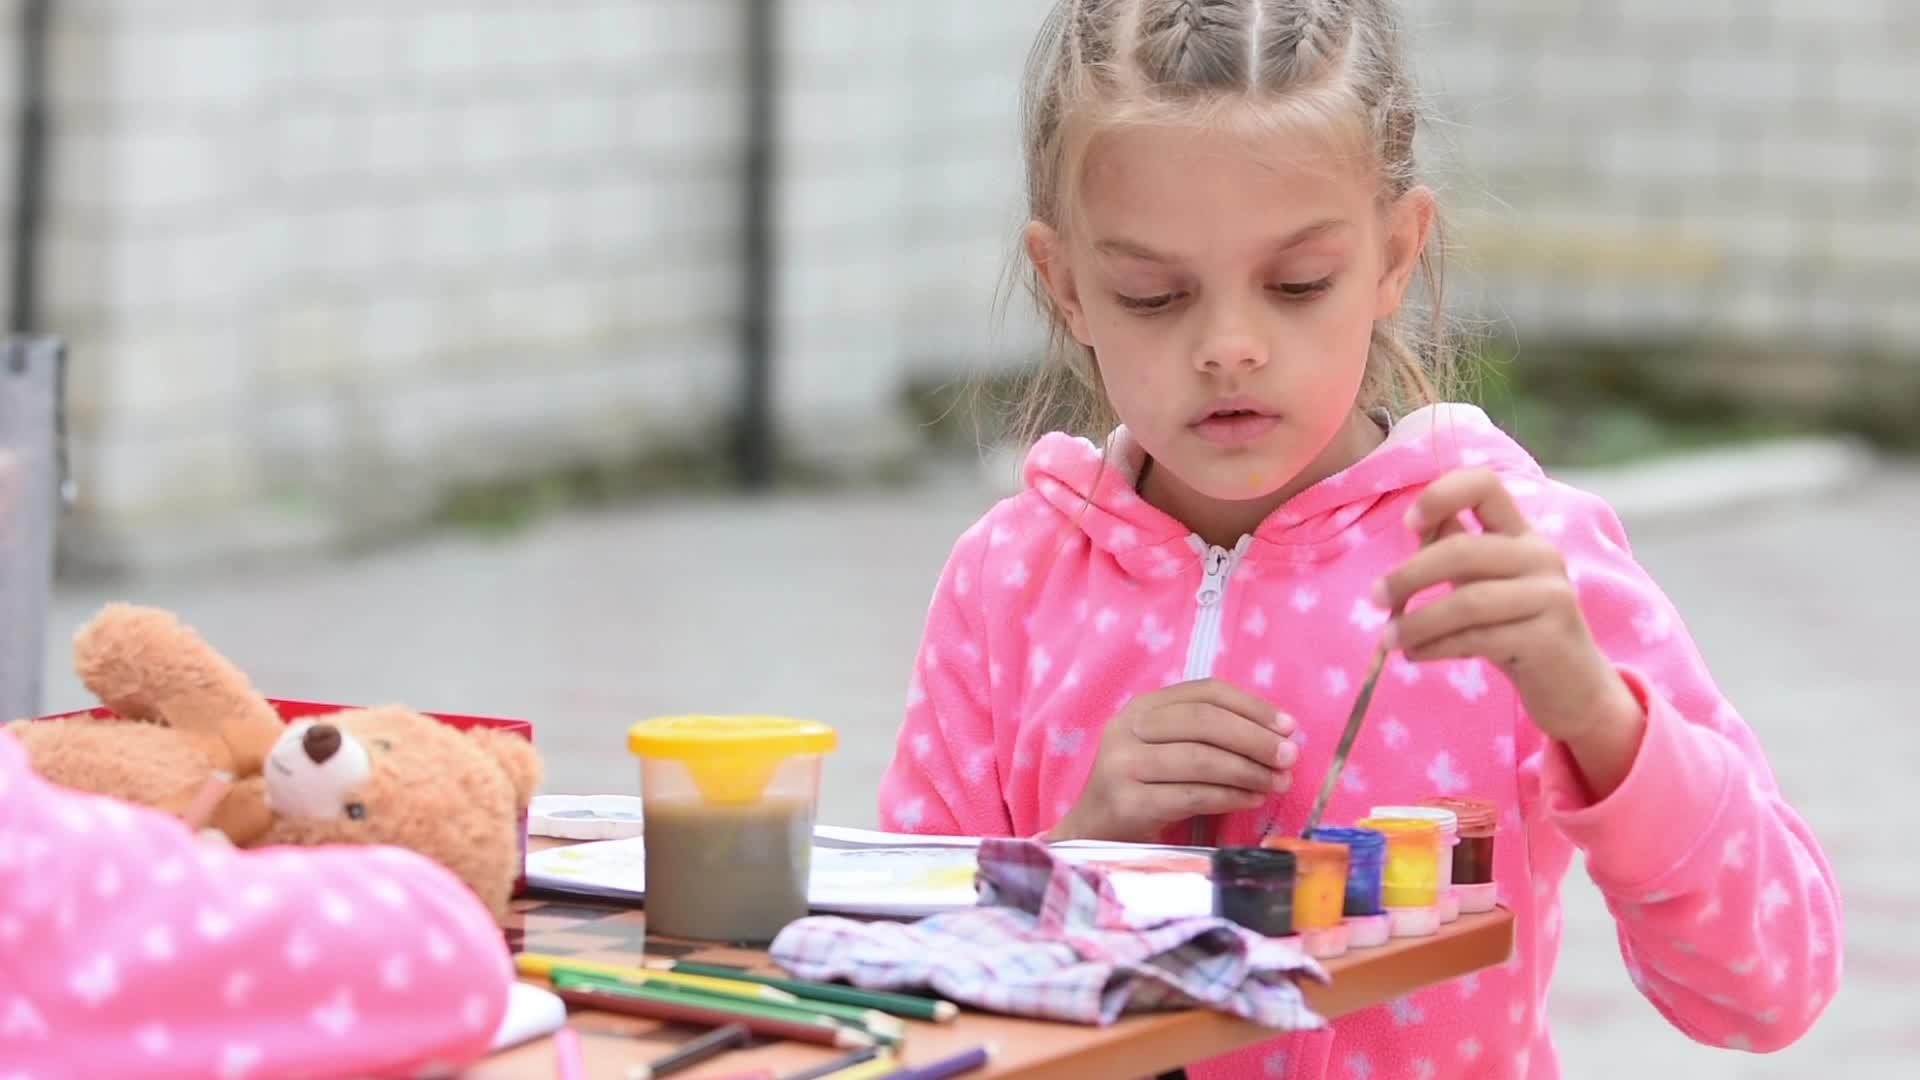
1096	491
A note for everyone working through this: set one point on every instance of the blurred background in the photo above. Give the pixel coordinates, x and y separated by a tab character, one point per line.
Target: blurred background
587	360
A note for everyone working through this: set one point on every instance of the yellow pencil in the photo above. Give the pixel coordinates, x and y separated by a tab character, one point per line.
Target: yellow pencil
883	1065
540	965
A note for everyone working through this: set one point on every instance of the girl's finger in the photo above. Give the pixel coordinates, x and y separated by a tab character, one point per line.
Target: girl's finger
1464	558
1177	802
1478	491
1480	603
1199	722
1225	695
1504	644
1199	763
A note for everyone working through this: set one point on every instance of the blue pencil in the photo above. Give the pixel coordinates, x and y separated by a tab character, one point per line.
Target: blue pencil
976	1058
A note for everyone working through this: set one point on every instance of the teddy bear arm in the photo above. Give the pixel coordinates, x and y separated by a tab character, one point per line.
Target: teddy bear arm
145	663
243	815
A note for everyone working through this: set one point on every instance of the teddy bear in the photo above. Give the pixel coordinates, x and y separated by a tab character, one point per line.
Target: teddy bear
189	723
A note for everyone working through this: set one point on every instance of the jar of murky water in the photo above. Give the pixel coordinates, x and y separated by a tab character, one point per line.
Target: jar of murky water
729	805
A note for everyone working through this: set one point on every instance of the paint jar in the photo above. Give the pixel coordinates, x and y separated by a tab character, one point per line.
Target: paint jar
728	804
1449	826
1410	884
1366	921
1253	887
1319	893
1479	821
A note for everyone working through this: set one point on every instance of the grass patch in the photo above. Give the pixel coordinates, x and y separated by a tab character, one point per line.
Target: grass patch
1593	407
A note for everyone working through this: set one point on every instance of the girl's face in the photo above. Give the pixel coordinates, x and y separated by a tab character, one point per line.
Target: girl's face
1228	286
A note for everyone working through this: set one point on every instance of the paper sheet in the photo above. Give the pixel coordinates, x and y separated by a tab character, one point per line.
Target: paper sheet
861	872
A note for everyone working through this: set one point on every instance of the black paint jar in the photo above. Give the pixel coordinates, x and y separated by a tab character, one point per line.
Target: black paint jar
1253	887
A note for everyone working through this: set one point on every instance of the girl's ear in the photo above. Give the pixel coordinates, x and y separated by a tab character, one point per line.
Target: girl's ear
1409	220
1048	255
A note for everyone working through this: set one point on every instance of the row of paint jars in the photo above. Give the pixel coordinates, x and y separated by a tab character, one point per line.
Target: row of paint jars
1402	871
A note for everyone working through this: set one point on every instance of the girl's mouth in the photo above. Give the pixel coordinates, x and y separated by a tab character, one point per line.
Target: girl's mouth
1234	425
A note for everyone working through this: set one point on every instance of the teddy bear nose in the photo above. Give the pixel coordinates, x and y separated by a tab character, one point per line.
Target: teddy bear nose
321	742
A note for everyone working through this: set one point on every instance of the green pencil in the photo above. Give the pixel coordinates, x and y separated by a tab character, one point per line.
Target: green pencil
908	1005
886	1032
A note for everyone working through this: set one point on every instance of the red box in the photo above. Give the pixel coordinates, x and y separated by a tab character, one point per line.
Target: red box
300	710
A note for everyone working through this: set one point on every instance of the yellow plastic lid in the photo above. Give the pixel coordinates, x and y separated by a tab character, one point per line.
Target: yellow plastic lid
731	758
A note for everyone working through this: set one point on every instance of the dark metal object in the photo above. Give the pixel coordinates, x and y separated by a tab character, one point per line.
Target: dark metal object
30	158
754	447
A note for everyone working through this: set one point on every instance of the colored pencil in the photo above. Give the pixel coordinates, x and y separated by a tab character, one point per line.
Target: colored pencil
882	1066
838	1065
911	1006
881	1026
717	1041
542	965
569	1060
877	1023
947	1068
678	1009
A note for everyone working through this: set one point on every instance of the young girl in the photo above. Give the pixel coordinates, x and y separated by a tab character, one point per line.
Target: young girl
1172	627
130	949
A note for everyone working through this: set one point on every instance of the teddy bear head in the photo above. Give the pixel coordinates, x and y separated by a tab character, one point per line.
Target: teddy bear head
390	775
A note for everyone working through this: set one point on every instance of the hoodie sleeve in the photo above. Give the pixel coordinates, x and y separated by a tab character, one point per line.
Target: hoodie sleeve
944	779
128	947
1727	912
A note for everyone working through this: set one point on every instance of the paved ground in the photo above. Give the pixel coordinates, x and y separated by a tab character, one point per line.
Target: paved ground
813	606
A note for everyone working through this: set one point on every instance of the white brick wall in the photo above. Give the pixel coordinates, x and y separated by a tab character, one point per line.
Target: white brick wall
338	255
1759	157
335	257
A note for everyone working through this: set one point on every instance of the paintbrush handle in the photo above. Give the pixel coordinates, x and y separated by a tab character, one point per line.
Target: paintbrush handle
1346	740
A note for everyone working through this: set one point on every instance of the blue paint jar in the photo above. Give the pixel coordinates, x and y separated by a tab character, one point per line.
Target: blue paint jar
1367	857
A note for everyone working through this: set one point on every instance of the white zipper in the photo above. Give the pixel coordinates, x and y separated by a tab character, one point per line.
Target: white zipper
1216	566
1203	646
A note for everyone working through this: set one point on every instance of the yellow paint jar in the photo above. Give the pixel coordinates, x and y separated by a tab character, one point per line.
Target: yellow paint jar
1412	875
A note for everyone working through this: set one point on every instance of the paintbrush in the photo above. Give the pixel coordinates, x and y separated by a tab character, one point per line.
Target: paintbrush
1359	713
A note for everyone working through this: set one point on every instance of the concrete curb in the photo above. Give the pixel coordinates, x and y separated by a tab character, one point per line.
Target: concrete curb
1721	479
1675	486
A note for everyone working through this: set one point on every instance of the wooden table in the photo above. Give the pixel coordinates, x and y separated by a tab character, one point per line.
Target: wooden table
1136	1046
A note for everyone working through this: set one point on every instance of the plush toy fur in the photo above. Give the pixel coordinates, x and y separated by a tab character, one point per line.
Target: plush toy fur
384	775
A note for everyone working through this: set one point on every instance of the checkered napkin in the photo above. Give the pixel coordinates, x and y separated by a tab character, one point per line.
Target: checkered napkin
1051	940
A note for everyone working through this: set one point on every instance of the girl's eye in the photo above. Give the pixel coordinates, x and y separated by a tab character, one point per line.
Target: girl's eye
1146	303
357	811
1304	288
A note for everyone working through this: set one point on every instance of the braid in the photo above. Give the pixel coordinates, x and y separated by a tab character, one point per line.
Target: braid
1305	43
1312	43
1192	45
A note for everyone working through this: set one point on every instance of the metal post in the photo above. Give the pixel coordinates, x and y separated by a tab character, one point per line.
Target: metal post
29	166
34	485
754	434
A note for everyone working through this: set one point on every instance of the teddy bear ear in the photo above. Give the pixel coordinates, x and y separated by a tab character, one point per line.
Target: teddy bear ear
517	758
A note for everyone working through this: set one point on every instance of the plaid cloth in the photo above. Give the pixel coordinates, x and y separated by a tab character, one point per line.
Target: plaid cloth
1051	940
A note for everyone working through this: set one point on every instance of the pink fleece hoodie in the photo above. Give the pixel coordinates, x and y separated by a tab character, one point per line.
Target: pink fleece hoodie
1066	601
128	949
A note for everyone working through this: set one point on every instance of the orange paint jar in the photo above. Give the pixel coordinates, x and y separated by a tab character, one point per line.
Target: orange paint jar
1319	893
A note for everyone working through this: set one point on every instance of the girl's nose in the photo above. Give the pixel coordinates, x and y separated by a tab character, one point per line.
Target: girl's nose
1225	355
1230	346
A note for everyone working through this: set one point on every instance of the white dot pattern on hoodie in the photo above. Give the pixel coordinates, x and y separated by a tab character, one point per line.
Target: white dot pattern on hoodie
1298	630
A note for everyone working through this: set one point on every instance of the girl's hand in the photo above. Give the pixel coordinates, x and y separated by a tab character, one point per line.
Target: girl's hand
1511	602
1190	750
